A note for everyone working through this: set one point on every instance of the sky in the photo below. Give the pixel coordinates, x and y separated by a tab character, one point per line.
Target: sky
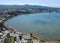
50	3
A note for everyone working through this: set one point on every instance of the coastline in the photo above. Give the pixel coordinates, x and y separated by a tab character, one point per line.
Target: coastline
15	30
38	38
10	11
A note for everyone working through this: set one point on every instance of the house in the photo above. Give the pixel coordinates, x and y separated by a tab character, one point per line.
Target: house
26	38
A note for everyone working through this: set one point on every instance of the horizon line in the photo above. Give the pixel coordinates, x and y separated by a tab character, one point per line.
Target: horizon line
29	4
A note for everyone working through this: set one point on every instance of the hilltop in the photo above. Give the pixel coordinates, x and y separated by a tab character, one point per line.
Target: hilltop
29	7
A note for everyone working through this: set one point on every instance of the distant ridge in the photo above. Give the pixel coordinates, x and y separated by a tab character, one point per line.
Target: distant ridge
28	7
32	6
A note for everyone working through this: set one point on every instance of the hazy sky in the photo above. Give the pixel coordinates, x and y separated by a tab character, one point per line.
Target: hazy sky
53	3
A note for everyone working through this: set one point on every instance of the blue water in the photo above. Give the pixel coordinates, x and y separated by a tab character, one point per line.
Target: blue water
44	25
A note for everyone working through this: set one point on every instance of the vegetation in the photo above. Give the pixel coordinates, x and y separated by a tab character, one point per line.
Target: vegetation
30	42
9	40
1	24
8	17
31	35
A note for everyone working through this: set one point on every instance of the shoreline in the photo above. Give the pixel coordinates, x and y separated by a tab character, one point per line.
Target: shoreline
7	18
38	38
13	27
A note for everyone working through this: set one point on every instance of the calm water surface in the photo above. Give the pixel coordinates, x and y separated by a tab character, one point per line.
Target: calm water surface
45	25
